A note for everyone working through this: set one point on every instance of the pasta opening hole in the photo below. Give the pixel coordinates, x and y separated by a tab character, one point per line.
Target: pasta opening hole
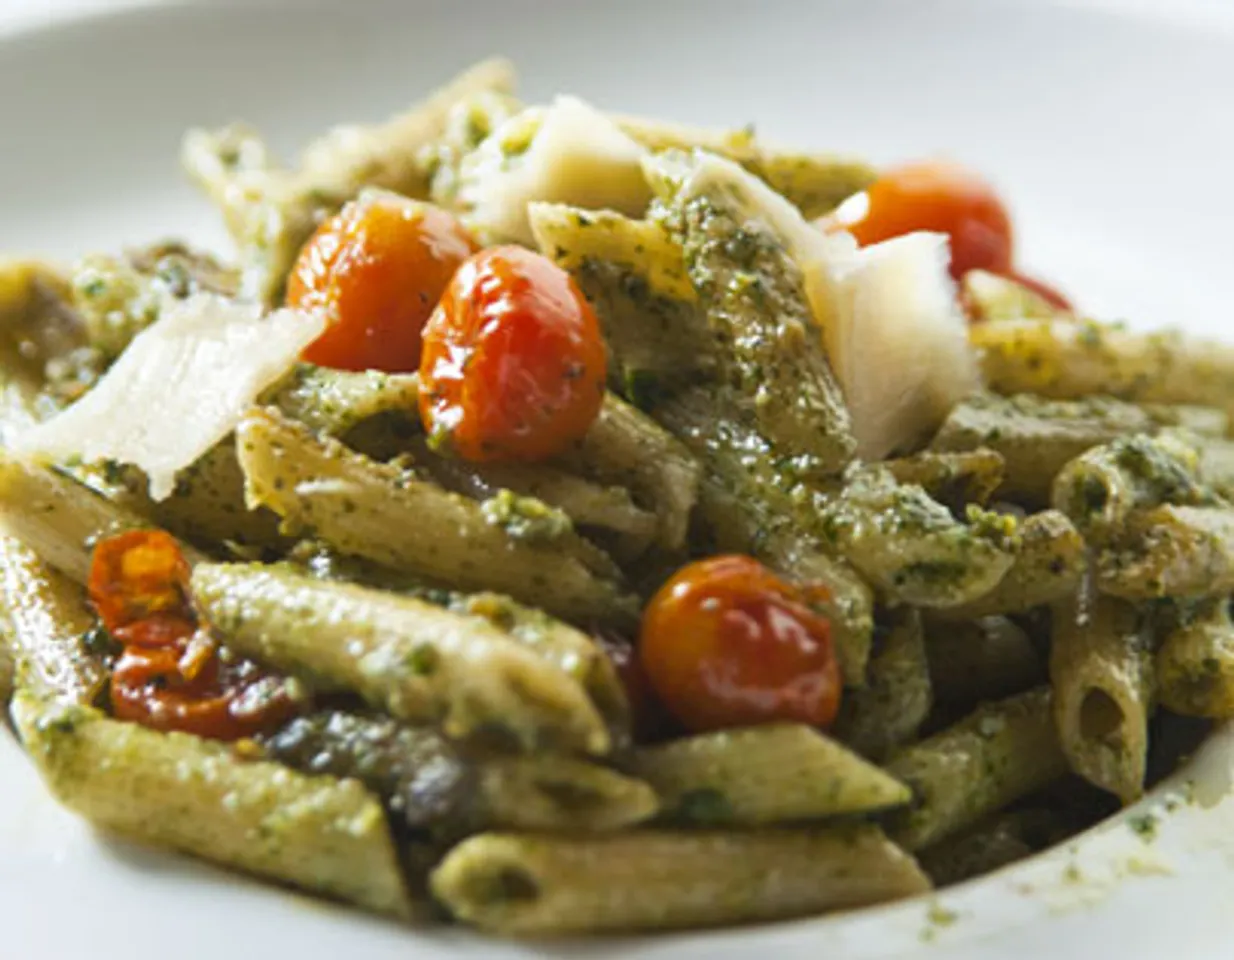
503	885
1100	715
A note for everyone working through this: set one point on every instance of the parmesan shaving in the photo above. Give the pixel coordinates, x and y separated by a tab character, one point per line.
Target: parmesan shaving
568	153
181	387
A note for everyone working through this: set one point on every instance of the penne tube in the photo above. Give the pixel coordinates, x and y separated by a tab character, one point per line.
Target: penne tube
999	753
1048	566
378	512
323	835
419	662
1195	663
46	631
528	884
1101	671
763	775
889	710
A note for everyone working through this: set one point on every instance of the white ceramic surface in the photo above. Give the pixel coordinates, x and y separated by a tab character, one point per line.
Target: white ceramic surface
1108	124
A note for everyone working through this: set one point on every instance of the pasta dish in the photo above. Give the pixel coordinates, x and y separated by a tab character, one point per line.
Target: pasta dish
558	521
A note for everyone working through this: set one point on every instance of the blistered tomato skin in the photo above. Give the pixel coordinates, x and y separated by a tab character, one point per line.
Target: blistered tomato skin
728	643
150	686
171	675
940	197
137	575
377	269
513	364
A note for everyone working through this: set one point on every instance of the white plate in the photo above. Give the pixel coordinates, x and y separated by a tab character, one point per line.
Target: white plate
1108	126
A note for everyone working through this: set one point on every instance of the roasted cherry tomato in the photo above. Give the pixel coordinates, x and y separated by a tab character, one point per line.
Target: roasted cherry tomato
377	268
136	575
157	630
223	701
727	643
941	197
649	721
172	675
514	363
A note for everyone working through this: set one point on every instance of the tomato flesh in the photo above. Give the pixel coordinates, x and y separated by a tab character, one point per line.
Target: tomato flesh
728	643
136	575
377	269
171	675
941	197
513	364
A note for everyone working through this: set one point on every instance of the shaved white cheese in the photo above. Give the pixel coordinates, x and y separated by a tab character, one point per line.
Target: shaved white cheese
898	341
894	333
568	152
181	386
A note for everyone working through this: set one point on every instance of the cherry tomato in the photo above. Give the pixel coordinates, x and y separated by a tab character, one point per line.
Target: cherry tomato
377	268
727	643
172	675
157	630
135	575
514	362
941	197
649	721
220	701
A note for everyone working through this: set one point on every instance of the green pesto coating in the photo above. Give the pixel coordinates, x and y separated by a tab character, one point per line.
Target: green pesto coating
1195	663
761	775
769	347
413	659
1048	566
1171	551
889	710
323	835
1001	752
385	514
1101	669
1101	488
911	548
656	879
1037	437
47	631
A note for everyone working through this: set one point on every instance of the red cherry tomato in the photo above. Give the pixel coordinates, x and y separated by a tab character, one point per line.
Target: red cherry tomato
728	643
377	268
171	676
944	198
514	363
136	575
219	701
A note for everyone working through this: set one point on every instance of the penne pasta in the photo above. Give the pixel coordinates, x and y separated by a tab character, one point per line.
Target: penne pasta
1066	361
999	753
1169	551
753	295
1195	663
418	662
763	775
1104	691
889	710
46	631
1048	566
378	512
324	835
528	884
